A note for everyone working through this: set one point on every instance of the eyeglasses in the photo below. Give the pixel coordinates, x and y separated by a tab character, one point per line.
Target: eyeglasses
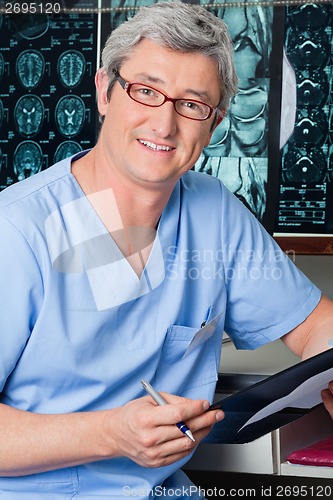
148	96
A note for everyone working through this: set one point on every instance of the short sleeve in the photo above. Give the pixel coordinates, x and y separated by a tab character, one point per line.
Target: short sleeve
267	295
21	293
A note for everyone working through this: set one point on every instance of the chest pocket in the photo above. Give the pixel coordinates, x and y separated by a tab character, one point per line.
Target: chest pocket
178	372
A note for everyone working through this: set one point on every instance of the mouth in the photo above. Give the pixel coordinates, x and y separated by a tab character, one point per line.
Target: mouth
155	147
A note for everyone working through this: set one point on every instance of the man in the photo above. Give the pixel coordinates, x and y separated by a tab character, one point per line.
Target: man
114	260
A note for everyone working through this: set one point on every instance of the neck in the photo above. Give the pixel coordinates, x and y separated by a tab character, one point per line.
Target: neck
135	205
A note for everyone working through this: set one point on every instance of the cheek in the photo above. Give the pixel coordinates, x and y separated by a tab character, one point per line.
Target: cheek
193	144
203	138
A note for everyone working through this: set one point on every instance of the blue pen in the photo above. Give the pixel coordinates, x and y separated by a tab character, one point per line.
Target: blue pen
161	402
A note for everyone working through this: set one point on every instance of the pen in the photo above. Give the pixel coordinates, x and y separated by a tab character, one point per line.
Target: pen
161	402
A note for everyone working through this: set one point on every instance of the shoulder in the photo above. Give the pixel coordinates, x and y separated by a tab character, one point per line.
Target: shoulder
193	179
193	183
31	186
201	188
35	196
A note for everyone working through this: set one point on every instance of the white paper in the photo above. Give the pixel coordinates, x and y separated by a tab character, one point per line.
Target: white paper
203	334
307	395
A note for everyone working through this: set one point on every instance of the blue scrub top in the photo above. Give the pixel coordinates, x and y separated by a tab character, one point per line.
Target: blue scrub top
79	329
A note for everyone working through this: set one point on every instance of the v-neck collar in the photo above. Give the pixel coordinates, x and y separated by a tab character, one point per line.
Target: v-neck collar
112	279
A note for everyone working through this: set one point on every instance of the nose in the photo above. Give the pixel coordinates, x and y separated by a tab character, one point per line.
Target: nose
163	120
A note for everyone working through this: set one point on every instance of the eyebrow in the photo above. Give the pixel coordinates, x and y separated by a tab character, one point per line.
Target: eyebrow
202	95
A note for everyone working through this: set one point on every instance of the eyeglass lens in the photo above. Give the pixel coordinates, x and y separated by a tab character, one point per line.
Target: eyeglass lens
188	108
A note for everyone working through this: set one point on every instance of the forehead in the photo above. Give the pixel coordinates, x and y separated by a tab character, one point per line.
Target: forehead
173	70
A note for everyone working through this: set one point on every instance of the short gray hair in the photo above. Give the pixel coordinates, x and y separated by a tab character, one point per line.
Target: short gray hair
178	26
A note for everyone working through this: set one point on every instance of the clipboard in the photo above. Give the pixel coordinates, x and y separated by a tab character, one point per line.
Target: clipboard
273	402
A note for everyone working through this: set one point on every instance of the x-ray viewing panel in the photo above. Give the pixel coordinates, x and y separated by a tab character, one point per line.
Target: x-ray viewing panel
47	92
278	160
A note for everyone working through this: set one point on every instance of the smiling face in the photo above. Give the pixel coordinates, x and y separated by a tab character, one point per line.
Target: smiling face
156	146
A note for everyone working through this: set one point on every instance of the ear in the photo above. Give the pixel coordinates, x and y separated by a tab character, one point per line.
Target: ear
102	84
219	117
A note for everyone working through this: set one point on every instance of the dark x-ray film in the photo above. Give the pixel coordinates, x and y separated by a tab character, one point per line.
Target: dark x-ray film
47	93
238	151
306	173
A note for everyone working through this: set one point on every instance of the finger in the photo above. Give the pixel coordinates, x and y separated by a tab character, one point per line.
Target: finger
207	419
179	412
173	399
183	444
171	445
200	426
327	398
180	445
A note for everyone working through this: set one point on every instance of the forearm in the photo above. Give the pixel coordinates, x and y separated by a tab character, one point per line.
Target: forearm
32	443
139	430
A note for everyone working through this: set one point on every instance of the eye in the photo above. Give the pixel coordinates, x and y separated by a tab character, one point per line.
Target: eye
143	93
191	105
146	91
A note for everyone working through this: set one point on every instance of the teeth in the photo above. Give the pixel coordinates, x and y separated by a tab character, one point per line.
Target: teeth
156	147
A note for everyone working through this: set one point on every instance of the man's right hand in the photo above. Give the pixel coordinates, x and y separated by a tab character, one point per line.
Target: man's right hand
148	435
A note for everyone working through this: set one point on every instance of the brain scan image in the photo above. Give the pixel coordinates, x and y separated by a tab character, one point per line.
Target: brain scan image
303	165
2	65
66	149
45	101
28	114
30	26
28	159
30	67
71	67
69	115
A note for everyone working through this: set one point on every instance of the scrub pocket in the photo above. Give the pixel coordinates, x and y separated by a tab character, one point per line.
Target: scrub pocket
177	370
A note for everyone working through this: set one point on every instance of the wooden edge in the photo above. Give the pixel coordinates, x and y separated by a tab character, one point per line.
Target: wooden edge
306	245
